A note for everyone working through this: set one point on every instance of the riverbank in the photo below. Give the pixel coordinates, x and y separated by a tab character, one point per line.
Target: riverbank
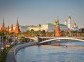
11	54
3	54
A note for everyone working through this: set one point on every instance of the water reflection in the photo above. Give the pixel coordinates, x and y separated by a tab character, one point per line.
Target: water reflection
65	42
48	53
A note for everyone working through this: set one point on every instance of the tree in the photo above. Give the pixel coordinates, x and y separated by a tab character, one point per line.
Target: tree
39	29
39	26
43	33
32	32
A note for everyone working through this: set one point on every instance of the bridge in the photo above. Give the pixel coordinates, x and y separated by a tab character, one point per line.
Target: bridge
60	38
14	55
53	50
47	38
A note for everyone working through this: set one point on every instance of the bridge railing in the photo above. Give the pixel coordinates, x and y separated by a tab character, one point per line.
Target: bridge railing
47	38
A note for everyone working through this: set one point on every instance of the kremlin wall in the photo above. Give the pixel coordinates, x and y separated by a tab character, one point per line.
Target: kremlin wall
50	27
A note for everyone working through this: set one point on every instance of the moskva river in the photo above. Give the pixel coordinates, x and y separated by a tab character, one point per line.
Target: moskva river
50	53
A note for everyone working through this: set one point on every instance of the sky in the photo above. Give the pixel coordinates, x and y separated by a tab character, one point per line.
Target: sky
35	12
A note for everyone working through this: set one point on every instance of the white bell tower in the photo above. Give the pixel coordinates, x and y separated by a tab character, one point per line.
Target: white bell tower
69	22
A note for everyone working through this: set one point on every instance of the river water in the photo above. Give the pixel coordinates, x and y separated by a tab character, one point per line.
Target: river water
49	53
54	51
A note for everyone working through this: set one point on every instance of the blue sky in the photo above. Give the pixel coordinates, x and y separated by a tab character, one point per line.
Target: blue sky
37	12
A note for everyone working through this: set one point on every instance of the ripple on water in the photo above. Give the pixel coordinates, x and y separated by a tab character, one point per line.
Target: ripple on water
49	53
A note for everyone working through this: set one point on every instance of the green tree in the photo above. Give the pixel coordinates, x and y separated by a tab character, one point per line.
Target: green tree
32	32
43	33
39	29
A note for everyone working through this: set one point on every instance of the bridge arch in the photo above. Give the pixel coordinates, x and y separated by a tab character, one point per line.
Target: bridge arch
60	38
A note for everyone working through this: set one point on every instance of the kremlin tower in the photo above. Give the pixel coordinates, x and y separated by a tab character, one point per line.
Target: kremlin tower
17	29
3	29
8	29
12	29
57	29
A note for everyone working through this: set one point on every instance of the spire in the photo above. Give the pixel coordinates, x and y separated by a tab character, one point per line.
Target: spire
8	28
12	28
17	23
17	29
57	22
3	25
70	17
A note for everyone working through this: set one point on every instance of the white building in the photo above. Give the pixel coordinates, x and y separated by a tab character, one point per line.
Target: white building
66	22
37	28
69	22
44	27
48	27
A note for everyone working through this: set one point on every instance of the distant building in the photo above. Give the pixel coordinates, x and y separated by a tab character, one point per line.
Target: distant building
23	28
81	30
71	24
12	29
66	23
47	27
37	28
57	31
51	27
74	26
0	26
44	27
3	28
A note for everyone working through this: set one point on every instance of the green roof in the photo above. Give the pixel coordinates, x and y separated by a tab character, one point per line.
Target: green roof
54	24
